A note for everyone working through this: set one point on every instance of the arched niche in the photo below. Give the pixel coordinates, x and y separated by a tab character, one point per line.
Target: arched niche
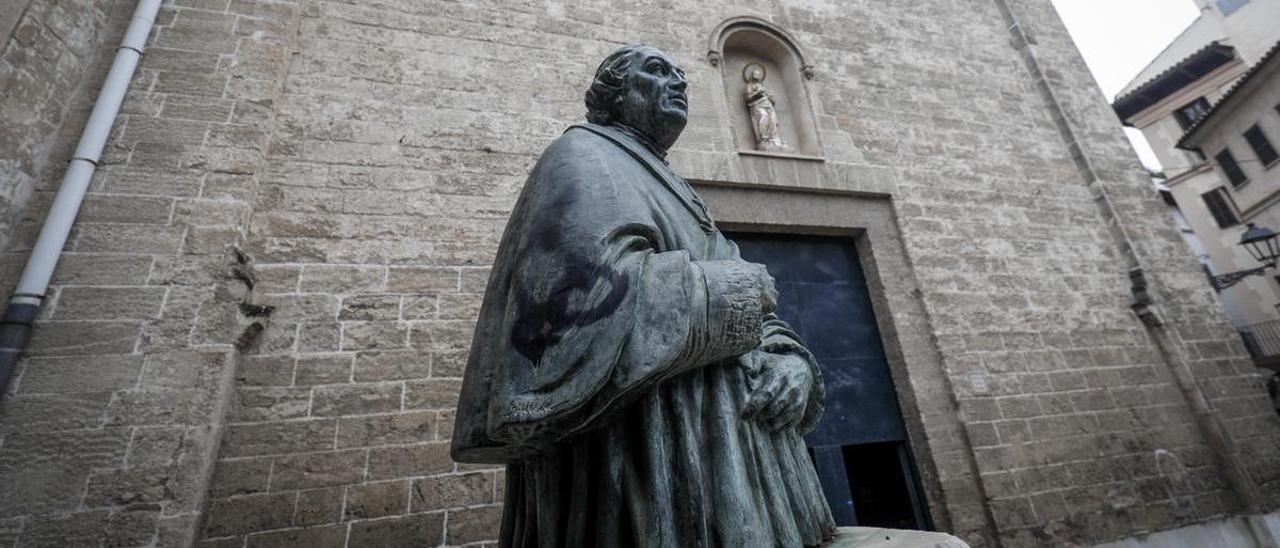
740	41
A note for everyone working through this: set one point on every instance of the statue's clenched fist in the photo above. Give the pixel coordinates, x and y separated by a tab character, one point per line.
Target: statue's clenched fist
781	397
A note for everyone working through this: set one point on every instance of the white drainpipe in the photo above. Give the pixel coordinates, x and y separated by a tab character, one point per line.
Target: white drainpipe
15	329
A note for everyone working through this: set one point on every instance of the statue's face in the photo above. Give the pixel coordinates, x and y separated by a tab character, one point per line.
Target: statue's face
656	104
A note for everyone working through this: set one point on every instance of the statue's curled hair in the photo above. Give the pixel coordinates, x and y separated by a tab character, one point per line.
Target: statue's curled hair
604	97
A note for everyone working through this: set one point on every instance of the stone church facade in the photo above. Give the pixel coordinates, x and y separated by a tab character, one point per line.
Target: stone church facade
257	330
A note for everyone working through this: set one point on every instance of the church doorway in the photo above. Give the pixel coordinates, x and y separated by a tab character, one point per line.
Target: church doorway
860	447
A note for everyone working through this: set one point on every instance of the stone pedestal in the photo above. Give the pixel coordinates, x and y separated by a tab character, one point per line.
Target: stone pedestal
874	537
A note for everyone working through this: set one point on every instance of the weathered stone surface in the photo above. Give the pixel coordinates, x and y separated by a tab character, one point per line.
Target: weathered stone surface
420	307
387	429
342	279
183	369
162	407
422	280
356	399
74	529
46	52
41	492
129	238
473	524
324	369
99	303
141	280
303	307
448	363
258	404
84	338
136	525
374	335
308	537
441	492
266	370
370	307
432	394
81	374
248	514
317	470
277	279
112	208
93	269
319	337
234	477
160	444
225	542
66	450
372	500
385	365
423	459
319	506
129	486
54	412
413	530
282	437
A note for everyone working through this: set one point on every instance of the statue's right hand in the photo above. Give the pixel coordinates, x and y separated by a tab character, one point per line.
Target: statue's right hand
768	291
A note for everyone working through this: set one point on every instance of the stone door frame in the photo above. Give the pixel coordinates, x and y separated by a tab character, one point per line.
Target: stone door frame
947	469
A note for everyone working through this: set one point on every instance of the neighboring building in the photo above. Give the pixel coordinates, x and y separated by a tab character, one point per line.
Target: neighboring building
256	333
1241	133
1195	103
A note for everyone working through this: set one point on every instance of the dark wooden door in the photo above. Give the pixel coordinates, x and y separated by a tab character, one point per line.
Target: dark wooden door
860	446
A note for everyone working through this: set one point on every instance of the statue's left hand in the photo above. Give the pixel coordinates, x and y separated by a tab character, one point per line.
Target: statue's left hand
780	399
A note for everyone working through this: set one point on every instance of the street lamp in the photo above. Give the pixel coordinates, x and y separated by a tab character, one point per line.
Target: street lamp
1261	243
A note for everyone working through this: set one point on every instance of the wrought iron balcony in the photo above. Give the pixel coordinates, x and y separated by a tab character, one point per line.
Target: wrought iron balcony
1263	342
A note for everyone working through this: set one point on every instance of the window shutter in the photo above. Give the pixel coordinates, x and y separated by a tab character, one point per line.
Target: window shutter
1260	145
1230	167
1220	208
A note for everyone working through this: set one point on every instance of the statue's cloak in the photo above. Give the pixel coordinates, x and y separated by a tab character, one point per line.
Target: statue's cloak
619	339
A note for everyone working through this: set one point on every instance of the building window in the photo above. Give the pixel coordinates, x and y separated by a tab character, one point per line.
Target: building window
1219	204
1191	113
1230	167
1260	145
1227	7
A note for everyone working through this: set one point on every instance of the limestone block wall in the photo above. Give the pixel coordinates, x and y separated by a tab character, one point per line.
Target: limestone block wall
10	13
276	274
51	64
112	422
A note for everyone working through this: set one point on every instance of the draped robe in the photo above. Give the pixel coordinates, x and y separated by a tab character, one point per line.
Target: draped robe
619	339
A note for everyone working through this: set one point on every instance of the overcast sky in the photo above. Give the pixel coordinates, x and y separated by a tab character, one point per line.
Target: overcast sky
1119	37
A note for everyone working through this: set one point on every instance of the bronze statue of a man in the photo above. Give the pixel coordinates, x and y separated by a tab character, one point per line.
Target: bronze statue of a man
627	367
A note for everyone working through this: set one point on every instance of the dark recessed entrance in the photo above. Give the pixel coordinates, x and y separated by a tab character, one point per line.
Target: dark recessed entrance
860	447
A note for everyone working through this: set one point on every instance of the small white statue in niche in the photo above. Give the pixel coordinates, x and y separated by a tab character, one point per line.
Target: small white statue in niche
760	105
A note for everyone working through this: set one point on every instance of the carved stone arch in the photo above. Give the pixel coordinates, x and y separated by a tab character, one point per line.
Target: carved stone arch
726	28
743	40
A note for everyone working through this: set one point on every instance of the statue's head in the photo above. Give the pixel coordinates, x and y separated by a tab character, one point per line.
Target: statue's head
642	87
